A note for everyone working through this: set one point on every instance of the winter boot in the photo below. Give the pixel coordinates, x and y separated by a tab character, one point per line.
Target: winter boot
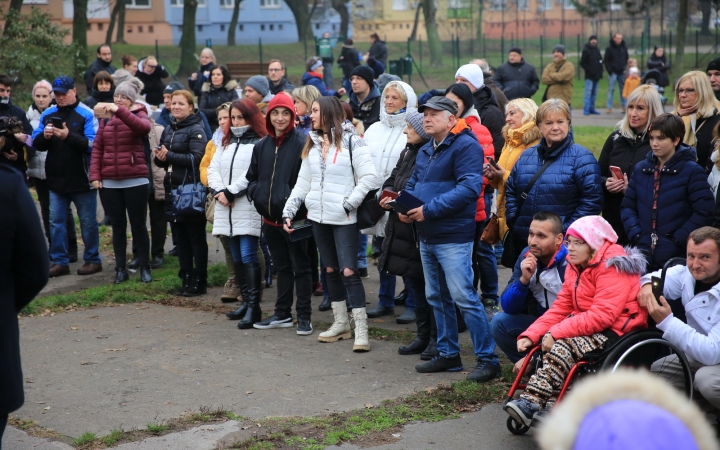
340	329
431	351
231	291
362	344
423	334
186	277
241	281
253	314
198	285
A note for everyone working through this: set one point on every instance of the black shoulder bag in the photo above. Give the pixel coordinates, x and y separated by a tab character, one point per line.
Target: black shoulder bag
510	249
369	212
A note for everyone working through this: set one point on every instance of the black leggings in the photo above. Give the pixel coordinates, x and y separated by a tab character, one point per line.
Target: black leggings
192	244
133	200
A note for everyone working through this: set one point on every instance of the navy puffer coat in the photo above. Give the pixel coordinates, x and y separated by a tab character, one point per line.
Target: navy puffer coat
685	203
570	187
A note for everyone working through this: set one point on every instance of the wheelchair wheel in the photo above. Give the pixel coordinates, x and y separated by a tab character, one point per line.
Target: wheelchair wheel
657	355
516	427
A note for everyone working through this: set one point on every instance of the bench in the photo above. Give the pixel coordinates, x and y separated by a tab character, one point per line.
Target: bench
245	70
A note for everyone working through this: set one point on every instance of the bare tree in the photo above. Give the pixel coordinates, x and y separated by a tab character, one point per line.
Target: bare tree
303	14
431	29
682	20
79	29
120	38
413	35
188	62
234	22
341	7
111	26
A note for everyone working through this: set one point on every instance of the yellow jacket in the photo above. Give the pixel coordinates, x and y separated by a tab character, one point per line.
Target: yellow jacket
516	142
631	83
205	162
558	76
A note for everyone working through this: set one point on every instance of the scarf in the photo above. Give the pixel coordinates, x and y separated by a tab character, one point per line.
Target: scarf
515	135
689	120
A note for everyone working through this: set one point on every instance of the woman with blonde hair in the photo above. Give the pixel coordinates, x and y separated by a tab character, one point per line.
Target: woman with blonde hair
197	79
696	104
151	73
304	97
624	148
520	133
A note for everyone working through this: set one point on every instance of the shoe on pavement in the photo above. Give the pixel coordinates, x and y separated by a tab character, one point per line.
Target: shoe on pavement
274	322
594	111
57	270
73	258
231	291
362	271
173	251
304	326
484	371
407	317
521	410
609	111
340	329
380	311
431	351
441	364
89	269
491	309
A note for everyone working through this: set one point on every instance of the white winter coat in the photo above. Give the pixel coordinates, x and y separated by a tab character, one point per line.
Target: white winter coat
329	189
36	165
714	177
386	141
699	338
227	171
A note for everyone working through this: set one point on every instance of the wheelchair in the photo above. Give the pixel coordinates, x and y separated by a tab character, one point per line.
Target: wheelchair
636	349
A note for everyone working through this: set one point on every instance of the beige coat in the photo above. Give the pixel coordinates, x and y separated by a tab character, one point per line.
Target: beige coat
558	76
158	173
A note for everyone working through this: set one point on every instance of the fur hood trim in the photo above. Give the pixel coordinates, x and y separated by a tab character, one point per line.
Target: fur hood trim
632	263
560	430
229	86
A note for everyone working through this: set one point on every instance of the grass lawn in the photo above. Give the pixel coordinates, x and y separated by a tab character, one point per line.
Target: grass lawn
591	137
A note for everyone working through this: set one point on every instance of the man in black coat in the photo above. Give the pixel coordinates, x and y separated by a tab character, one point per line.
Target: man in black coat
516	78
14	152
713	73
102	62
591	62
378	49
616	58
23	273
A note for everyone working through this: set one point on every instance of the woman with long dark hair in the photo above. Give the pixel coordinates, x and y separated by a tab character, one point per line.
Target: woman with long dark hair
336	174
221	88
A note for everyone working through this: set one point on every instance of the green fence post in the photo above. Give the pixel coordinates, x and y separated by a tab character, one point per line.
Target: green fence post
579	52
697	48
642	47
157	50
421	55
305	46
260	51
542	47
669	48
502	46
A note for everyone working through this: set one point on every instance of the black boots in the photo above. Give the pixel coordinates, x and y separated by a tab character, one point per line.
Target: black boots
241	281
431	351
185	276
121	275
197	286
422	339
146	274
254	279
326	304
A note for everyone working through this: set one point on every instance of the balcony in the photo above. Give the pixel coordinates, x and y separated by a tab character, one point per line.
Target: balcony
96	10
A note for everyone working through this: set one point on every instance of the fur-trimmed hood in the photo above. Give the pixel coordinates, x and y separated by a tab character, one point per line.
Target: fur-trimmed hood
632	263
578	422
229	86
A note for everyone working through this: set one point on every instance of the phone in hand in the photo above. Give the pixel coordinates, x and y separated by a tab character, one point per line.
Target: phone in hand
387	193
57	122
298	224
657	288
492	162
617	173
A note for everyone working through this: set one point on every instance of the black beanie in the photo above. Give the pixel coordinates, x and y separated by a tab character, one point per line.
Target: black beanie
713	65
462	91
364	72
592	37
516	50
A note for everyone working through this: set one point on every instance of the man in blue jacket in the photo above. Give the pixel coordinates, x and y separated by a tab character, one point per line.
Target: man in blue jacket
448	180
536	280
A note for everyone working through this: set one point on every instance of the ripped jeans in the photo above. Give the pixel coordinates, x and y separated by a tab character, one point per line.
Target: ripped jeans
338	247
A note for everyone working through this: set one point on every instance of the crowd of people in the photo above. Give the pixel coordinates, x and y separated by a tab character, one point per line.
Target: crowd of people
300	183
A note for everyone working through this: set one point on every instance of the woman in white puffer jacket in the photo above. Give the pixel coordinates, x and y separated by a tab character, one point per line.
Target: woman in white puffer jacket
235	217
386	141
333	184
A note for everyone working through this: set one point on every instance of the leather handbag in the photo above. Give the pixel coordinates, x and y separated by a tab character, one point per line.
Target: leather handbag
491	233
189	199
369	212
210	207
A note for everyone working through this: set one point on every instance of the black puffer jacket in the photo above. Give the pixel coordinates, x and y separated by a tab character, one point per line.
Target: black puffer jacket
348	60
400	250
624	153
704	139
185	142
591	62
660	64
99	97
616	58
213	97
517	80
153	82
490	116
197	84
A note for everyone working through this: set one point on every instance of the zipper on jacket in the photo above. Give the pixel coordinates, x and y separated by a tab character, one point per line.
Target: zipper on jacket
632	316
272	179
232	163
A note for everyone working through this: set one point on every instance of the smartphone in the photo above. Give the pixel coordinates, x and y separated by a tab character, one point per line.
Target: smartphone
298	224
387	193
616	172
492	162
100	111
158	147
57	122
657	288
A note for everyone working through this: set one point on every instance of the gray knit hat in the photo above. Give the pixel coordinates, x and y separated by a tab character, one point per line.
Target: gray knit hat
121	75
260	84
130	89
415	119
559	48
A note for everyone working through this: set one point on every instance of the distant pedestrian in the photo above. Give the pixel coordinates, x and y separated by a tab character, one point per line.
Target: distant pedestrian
314	77
102	62
517	78
591	62
324	51
103	90
151	73
713	73
277	77
631	82
658	61
378	49
303	97
558	76
202	76
616	59
130	63
365	96
220	89
377	67
348	60
258	90
490	82
485	103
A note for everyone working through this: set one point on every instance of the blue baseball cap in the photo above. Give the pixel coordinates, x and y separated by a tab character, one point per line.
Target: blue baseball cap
62	84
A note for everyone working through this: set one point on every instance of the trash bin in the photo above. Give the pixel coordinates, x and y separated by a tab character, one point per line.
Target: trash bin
397	67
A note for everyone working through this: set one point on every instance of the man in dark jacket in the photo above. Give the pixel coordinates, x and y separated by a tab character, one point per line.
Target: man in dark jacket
378	49
516	78
348	61
276	77
15	152
448	180
490	82
271	177
615	60
67	131
23	273
591	62
365	96
102	62
485	103
713	73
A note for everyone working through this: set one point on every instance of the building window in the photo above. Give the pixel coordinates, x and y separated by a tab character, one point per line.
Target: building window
227	4
100	26
262	27
129	30
200	28
567	4
222	27
280	27
179	3
544	5
269	3
272	27
399	5
241	27
377	26
138	4
151	29
35	2
317	26
140	28
333	27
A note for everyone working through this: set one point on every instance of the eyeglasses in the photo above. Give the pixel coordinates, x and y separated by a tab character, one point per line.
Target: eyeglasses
573	244
275	70
120	96
685	91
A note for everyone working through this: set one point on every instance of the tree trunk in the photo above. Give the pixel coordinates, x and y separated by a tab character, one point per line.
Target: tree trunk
188	63
111	26
341	7
234	23
481	9
300	10
120	39
682	19
705	8
79	31
16	6
413	35
433	38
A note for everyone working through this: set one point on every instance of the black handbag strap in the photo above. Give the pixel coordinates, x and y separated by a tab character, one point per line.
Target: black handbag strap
526	191
351	161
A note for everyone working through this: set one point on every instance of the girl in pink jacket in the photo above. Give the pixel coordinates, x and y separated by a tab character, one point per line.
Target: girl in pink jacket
595	306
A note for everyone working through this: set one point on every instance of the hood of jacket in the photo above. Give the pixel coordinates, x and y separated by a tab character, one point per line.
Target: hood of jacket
308	75
484	97
192	119
217	137
617	46
545	152
397	119
472	112
285	101
347	129
683	154
527	134
229	86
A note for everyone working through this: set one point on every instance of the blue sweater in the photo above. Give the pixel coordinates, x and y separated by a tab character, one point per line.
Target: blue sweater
448	180
516	297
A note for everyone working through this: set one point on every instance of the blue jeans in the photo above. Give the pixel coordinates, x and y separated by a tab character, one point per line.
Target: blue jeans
386	293
362	250
591	88
410	301
244	249
86	205
506	328
455	260
620	80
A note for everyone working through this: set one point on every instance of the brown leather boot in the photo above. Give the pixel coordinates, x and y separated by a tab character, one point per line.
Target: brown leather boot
89	269
57	270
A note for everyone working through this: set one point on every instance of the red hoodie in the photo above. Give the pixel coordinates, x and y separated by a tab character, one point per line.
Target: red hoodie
283	100
485	140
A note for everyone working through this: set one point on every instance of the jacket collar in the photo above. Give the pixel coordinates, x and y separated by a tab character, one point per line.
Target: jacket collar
484	96
374	93
192	119
545	152
460	128
68	108
683	154
347	129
